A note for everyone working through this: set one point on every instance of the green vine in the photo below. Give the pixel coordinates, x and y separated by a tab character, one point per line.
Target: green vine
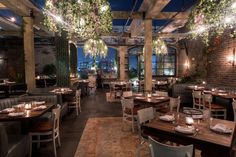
210	18
81	19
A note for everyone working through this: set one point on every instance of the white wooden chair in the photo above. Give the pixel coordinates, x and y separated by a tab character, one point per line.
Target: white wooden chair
162	150
92	84
144	116
76	103
49	130
216	110
234	108
197	100
174	104
127	94
129	114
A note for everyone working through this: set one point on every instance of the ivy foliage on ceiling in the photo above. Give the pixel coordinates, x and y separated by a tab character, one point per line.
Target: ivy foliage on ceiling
210	18
82	19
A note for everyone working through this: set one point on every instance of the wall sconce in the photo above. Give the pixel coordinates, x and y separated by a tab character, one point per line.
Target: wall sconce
186	64
232	59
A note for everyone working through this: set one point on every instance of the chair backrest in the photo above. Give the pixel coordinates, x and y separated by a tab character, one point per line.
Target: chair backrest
197	95
174	103
78	94
144	115
234	108
161	93
207	99
162	150
127	94
56	112
127	103
8	103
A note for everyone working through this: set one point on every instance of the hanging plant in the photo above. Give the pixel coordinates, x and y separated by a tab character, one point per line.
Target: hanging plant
81	19
209	18
158	47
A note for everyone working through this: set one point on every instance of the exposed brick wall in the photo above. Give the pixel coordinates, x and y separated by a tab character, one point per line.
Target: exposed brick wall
219	71
213	65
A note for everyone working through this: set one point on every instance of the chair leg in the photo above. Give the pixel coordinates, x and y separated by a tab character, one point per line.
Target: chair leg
54	147
38	142
139	148
79	106
59	140
30	145
77	110
133	124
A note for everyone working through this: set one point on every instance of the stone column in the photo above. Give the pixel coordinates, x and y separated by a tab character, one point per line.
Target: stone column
29	53
62	62
148	55
122	68
73	59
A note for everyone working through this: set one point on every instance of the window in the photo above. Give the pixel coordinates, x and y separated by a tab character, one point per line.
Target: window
162	65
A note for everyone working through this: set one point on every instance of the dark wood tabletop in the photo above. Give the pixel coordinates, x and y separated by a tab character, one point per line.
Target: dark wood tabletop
211	143
28	114
154	100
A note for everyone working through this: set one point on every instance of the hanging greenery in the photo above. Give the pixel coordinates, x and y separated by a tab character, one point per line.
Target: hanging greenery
95	47
81	19
209	18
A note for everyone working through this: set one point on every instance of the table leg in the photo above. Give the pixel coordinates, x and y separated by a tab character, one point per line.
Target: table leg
229	109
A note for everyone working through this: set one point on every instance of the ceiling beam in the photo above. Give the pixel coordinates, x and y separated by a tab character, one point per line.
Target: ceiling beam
140	15
153	8
126	15
23	8
156	7
11	33
17	6
2	6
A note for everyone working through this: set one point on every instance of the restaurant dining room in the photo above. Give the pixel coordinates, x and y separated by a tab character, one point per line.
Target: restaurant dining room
117	78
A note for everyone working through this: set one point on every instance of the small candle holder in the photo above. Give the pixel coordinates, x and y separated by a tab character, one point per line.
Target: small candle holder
28	106
149	95
195	87
189	121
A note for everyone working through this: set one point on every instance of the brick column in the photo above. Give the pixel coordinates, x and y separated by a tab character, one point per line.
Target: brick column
148	55
29	53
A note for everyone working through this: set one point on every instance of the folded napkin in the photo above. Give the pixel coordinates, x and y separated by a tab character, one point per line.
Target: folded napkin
185	129
16	114
41	107
221	128
200	116
7	110
39	102
154	94
138	94
168	118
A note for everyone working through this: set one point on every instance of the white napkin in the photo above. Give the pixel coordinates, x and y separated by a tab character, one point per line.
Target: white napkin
41	107
200	116
7	110
15	114
168	118
39	102
185	130
221	128
139	97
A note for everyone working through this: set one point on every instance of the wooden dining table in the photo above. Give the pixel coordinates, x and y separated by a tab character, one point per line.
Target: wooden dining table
150	101
28	113
211	144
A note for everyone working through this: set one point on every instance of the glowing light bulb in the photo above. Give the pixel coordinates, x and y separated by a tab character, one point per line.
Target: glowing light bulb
234	5
13	19
228	19
58	19
104	8
201	29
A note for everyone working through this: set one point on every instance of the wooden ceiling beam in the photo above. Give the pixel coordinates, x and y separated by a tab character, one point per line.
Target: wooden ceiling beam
156	7
126	15
11	33
17	6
